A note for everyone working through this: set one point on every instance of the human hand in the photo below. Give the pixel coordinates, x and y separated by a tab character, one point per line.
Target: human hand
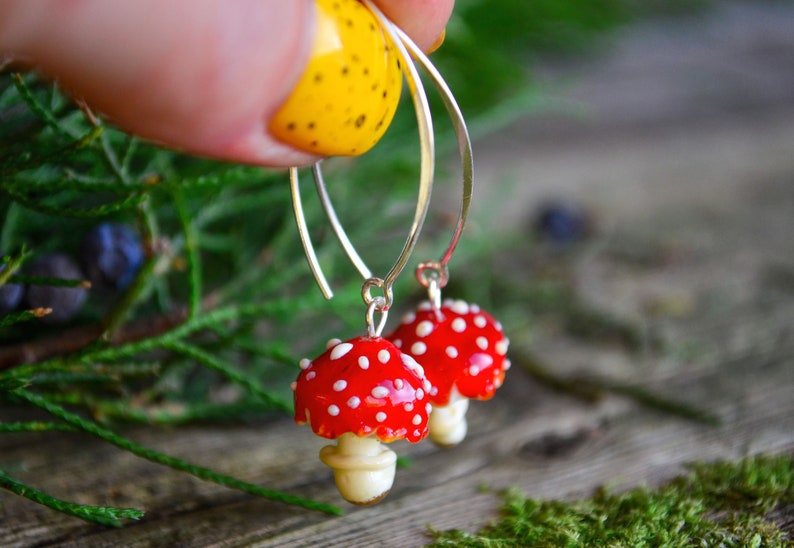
203	76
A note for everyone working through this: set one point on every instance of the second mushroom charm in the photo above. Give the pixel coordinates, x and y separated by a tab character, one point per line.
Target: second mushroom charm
362	392
464	351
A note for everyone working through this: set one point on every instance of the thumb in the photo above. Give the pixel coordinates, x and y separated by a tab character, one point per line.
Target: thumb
201	76
204	77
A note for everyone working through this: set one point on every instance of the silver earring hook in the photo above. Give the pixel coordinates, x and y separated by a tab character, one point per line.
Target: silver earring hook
434	275
427	167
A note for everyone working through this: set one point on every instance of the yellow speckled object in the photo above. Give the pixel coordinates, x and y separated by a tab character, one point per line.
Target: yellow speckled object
346	98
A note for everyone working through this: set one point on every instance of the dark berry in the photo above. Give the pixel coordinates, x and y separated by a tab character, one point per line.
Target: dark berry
10	295
111	254
64	301
561	223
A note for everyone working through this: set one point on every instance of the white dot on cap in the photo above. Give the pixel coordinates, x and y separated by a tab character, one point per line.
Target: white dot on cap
452	352
310	375
331	343
384	356
424	328
293	385
474	370
409	362
459	325
340	385
398	384
418	348
501	347
379	392
409	318
417	420
398	343
420	393
333	410
340	350
425	305
408	407
482	343
460	307
480	321
506	365
354	402
305	363
475	309
380	416
363	362
428	407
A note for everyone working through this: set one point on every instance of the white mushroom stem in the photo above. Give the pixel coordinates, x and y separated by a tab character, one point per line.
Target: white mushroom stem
363	468
448	423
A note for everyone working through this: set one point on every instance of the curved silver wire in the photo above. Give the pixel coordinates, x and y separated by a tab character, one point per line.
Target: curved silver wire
427	168
466	156
303	232
433	275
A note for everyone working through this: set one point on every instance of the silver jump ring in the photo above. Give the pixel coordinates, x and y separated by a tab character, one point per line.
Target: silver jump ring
376	306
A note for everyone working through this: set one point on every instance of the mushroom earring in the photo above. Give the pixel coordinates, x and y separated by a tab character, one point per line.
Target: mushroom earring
364	392
462	347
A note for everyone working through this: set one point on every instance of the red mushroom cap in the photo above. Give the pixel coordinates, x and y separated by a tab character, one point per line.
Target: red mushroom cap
460	346
363	386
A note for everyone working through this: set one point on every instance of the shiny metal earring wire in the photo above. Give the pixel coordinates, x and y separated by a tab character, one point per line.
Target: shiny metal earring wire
431	274
383	302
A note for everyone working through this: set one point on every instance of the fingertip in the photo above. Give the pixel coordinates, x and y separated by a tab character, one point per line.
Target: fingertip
423	20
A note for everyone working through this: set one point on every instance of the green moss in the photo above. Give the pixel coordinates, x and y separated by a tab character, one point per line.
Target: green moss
715	504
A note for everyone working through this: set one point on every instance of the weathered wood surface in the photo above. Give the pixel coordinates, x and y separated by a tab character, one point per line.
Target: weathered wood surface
696	244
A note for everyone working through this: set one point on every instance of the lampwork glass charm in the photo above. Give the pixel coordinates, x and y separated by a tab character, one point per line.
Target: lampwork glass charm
362	392
367	391
464	352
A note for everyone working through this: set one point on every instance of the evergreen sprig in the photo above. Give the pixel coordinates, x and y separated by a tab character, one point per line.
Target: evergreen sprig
104	515
94	429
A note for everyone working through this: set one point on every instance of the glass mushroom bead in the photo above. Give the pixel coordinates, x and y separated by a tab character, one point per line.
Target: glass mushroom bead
348	93
362	392
464	352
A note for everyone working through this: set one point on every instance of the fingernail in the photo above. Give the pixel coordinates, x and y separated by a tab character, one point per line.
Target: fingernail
437	44
348	94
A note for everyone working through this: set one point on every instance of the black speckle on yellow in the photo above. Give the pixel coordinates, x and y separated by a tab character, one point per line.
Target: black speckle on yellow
334	107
